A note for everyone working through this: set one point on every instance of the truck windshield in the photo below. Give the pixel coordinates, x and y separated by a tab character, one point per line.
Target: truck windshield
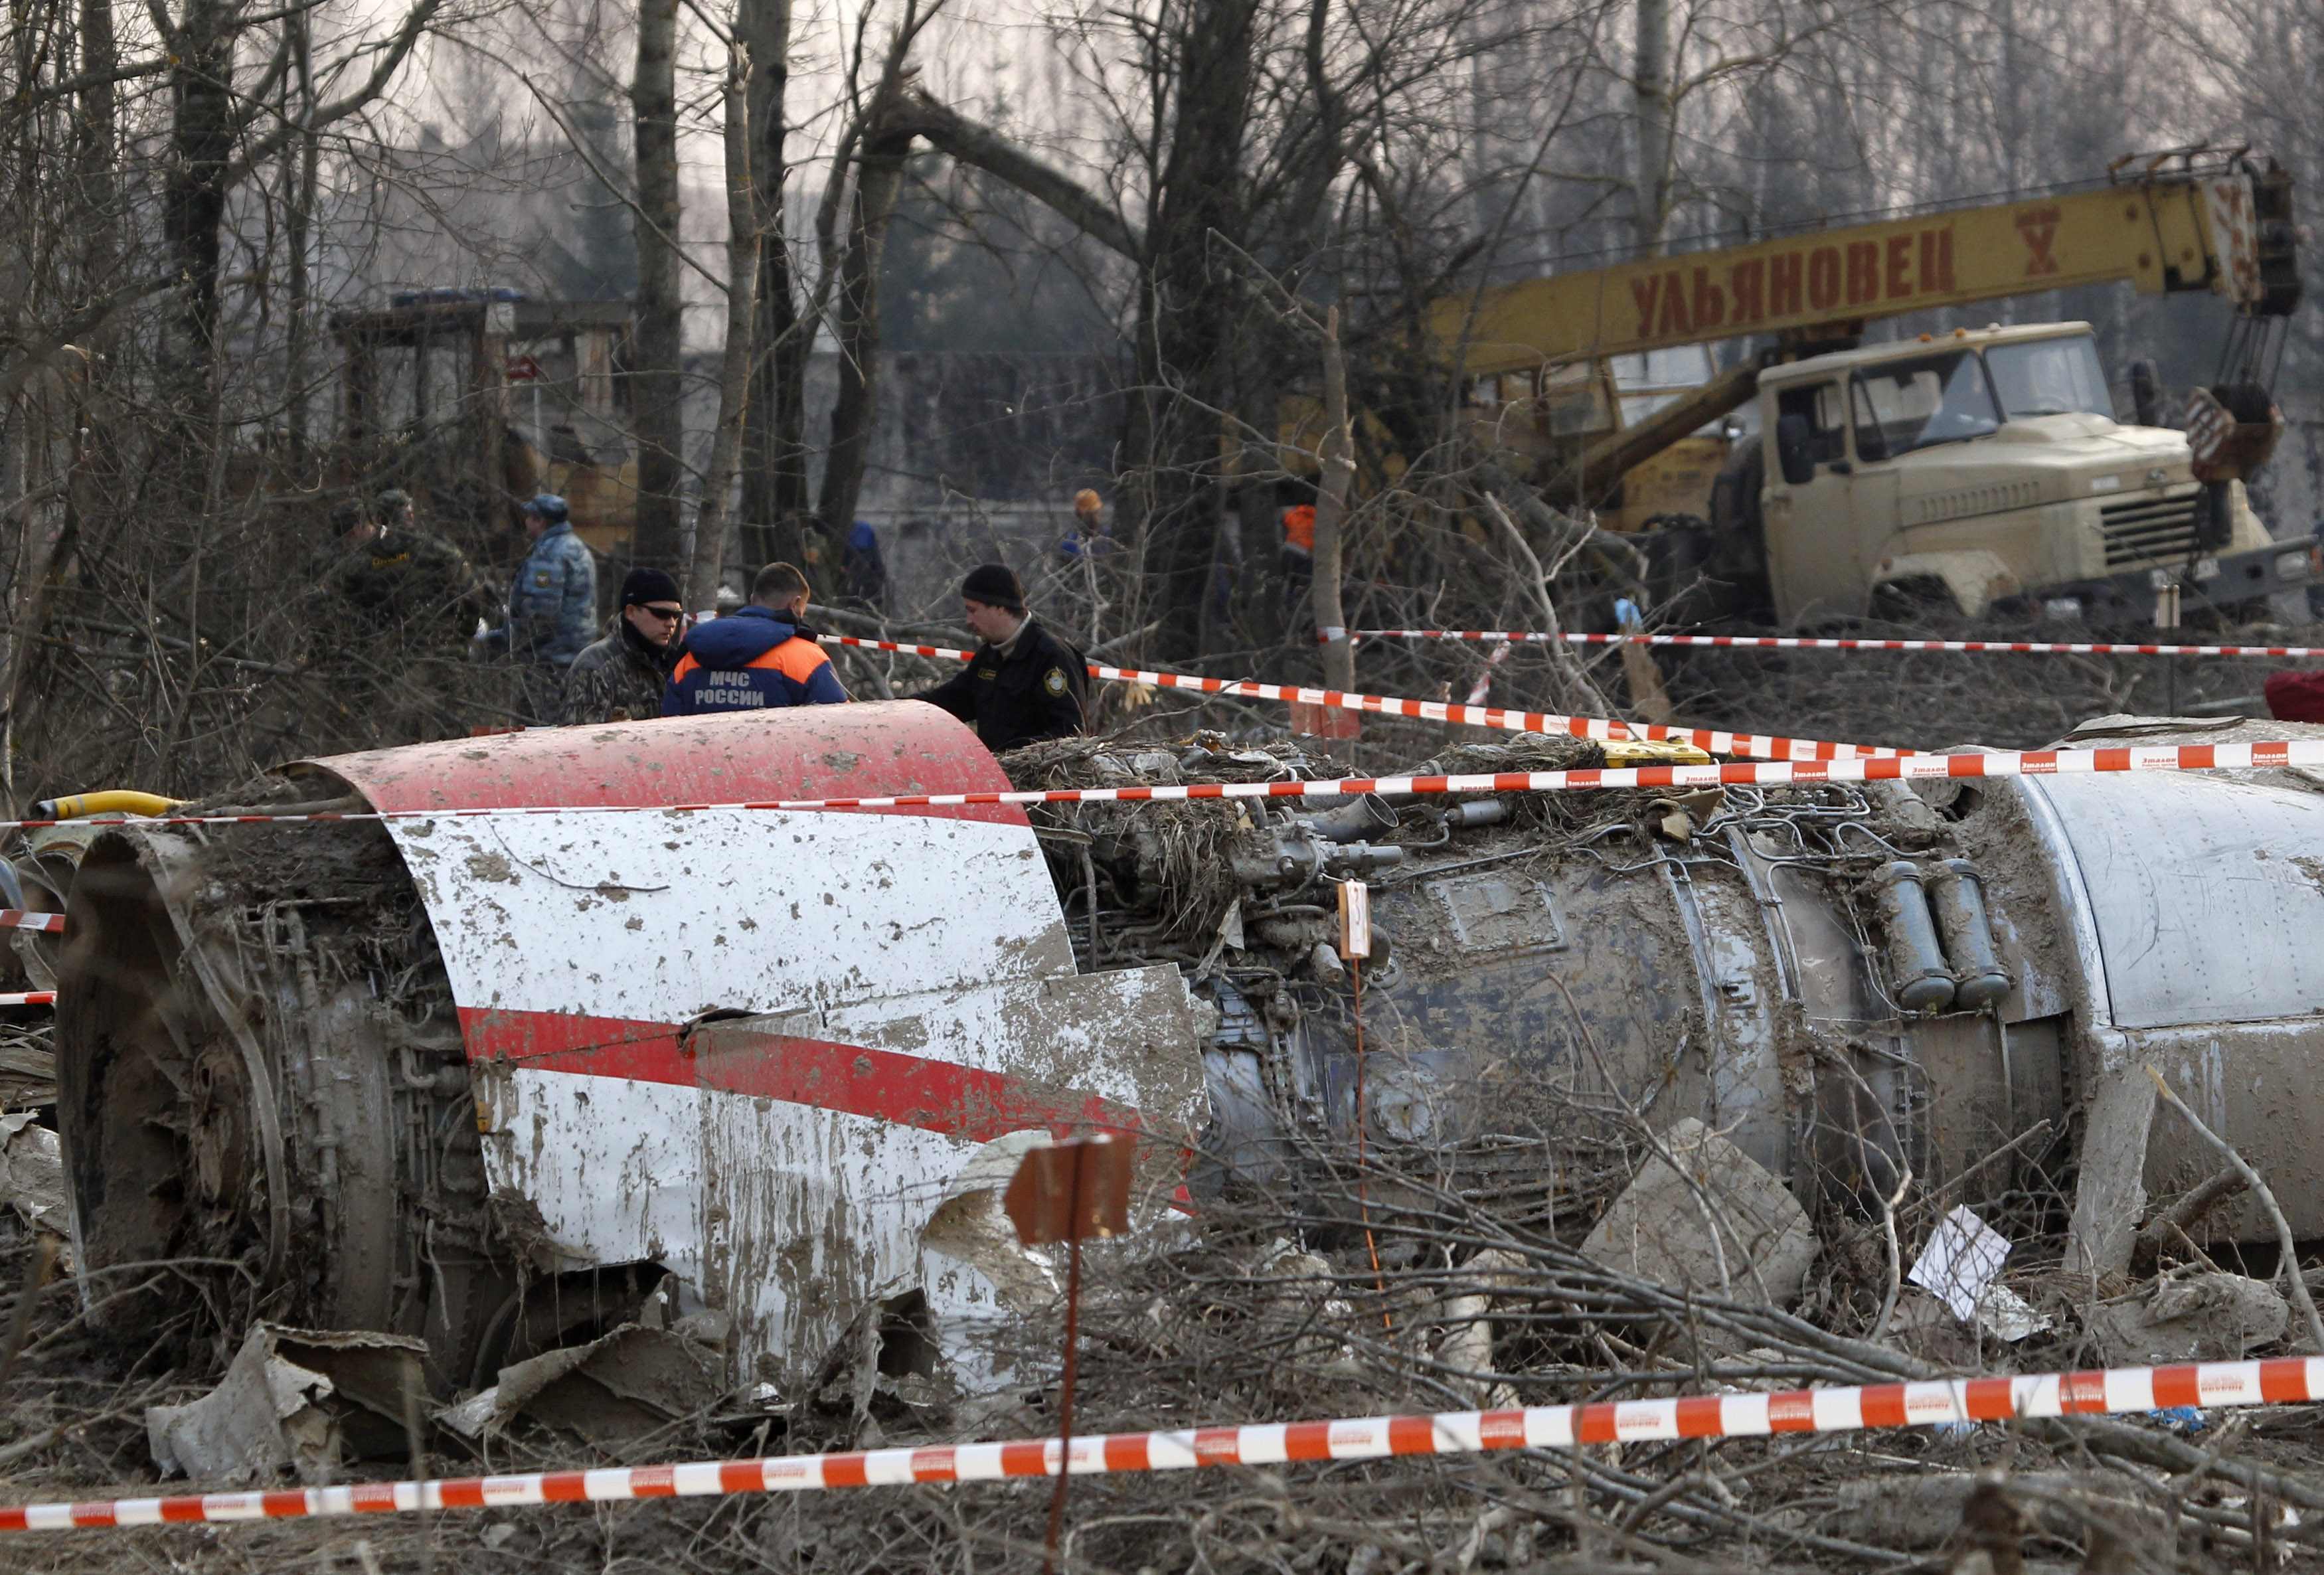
2050	377
1905	405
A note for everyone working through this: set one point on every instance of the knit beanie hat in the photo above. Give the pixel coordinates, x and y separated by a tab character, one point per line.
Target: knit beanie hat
994	585
647	585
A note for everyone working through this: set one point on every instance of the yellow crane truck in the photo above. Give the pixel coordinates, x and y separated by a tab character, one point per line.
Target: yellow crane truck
1966	469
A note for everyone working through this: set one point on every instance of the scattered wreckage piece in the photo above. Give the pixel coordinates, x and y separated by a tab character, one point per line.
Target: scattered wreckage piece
33	1174
2190	1318
640	1380
1701	1215
296	1400
28	1072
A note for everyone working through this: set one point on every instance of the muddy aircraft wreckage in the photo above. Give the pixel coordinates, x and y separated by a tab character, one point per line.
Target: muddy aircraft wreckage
487	1083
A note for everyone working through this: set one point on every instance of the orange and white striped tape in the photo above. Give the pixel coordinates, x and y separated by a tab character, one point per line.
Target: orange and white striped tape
1804	643
17	918
28	998
1760	746
2115	1390
2264	755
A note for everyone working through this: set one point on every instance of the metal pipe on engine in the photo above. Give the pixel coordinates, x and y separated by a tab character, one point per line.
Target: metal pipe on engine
1920	980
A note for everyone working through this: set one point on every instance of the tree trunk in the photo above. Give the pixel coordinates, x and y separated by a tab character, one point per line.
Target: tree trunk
1332	512
202	145
774	447
657	381
1651	86
742	240
1187	311
878	179
296	222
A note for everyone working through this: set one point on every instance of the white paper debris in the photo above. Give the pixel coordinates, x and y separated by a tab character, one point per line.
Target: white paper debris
2008	1316
1960	1261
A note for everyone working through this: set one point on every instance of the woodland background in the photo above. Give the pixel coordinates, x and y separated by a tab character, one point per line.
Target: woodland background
932	262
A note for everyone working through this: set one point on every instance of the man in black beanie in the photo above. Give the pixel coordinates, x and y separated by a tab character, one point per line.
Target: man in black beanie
1024	683
620	678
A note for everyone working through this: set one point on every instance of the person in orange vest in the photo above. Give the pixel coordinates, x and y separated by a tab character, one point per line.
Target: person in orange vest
762	654
1298	555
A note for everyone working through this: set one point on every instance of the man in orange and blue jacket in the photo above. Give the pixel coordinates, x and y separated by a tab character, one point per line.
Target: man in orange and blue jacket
759	655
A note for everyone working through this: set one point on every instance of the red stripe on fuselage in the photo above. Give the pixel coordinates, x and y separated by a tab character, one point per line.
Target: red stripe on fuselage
945	1097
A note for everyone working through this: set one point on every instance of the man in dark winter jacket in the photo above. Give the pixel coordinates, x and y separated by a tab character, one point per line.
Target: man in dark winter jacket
403	581
620	679
863	573
761	654
1023	683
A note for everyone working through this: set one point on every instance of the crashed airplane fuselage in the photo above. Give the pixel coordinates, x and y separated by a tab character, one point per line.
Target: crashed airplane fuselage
766	1053
477	1079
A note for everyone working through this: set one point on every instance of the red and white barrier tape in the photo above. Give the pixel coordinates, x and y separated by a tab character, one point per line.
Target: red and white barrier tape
1802	642
1460	1432
17	918
2240	757
1760	746
28	998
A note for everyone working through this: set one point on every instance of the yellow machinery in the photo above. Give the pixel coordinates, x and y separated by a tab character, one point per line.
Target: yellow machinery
1599	376
476	399
1966	469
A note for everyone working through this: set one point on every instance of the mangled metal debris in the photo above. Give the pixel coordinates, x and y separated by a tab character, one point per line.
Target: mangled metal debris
638	1380
2200	1317
33	1174
1702	1215
294	1400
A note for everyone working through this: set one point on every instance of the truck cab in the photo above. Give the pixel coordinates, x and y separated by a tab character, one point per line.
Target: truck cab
1980	467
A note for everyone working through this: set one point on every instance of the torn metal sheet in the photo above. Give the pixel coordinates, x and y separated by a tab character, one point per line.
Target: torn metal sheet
33	1174
28	1074
621	1388
1708	1219
294	1400
2207	1317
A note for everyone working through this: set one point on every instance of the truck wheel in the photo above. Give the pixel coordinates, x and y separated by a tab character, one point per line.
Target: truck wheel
1915	599
1687	573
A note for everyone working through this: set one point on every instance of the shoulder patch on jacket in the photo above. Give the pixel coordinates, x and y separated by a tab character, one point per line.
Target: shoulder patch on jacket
1055	682
540	577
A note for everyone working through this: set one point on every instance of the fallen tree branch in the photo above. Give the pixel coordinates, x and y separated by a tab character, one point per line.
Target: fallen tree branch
2181	1213
2291	1265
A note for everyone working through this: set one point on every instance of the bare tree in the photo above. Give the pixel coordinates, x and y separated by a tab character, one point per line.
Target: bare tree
745	228
657	376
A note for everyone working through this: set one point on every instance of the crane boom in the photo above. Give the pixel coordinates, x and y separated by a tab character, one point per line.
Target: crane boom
2159	229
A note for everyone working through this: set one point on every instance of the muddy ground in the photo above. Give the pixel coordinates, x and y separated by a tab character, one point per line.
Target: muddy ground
1226	1322
1229	1323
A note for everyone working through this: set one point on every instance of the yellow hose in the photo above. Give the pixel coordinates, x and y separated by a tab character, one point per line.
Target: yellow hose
115	801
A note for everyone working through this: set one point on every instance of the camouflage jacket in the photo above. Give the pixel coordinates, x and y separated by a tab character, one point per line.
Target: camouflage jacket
617	680
407	579
553	603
